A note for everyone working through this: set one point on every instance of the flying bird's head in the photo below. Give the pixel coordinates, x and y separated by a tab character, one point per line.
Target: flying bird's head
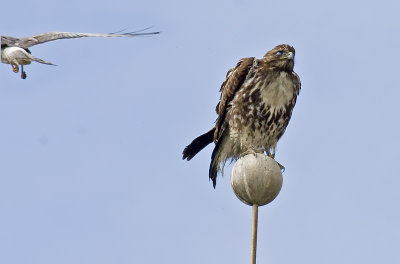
281	57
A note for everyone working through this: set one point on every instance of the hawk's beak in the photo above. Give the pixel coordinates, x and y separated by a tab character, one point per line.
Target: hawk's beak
288	55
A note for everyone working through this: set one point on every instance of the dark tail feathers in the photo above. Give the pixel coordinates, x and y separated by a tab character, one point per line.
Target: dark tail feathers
214	165
198	144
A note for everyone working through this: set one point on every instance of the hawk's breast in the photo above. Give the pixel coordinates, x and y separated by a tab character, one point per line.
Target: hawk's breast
279	92
261	111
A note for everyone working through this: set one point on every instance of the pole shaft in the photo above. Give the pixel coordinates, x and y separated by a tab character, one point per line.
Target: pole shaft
254	235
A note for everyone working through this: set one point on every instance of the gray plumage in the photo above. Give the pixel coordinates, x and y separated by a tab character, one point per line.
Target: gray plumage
15	51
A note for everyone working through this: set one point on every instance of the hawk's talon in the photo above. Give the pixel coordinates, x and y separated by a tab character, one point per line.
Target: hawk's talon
281	167
23	75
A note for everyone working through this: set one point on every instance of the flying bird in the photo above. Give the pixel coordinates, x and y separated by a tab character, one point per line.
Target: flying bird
255	106
15	51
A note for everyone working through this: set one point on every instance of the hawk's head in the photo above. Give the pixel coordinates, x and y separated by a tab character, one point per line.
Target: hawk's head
281	57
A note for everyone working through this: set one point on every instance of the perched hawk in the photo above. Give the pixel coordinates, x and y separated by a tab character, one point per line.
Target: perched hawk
15	51
257	100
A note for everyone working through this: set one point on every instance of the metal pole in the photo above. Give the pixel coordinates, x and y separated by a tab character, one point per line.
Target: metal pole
254	235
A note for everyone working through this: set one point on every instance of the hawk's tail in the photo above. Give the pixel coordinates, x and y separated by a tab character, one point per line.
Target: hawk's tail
198	144
224	149
215	163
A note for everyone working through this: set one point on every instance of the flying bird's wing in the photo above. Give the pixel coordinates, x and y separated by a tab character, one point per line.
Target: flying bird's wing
234	80
8	41
50	36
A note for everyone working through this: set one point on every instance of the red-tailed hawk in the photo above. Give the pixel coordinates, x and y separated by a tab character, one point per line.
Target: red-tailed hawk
15	51
257	100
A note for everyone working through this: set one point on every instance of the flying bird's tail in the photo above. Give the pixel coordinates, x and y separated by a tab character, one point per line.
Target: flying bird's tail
198	144
33	58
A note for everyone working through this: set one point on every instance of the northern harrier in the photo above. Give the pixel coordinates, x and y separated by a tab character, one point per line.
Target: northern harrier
256	103
15	51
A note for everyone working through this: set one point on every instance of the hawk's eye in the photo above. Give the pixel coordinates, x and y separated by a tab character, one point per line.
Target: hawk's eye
279	53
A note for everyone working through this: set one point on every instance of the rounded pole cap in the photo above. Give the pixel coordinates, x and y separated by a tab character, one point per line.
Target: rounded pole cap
256	179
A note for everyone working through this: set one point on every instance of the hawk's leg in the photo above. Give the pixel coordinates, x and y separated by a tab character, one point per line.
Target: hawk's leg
252	151
15	68
23	73
271	155
260	151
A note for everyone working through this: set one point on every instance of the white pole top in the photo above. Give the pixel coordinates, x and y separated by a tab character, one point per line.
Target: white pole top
256	179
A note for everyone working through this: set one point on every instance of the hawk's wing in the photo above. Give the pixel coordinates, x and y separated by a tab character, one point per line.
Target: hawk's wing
234	80
50	36
297	83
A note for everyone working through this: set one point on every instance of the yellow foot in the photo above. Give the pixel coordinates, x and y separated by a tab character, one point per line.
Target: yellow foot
15	68
23	75
271	155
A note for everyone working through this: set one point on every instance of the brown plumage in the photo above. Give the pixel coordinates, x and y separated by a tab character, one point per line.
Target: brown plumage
257	100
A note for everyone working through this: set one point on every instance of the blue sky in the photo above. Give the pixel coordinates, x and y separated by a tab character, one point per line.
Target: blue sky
90	150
